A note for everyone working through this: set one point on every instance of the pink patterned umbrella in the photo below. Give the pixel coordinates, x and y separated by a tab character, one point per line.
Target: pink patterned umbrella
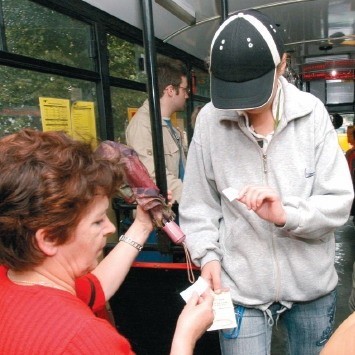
140	188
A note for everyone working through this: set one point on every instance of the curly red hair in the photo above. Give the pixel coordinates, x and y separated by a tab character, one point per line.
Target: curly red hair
47	181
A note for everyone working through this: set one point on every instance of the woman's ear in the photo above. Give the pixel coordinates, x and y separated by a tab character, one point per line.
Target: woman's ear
46	244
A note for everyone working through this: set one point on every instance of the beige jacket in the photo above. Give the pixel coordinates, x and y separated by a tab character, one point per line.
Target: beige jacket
139	137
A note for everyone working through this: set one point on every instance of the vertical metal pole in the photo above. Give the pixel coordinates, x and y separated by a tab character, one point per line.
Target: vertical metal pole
224	10
3	45
106	126
153	94
190	105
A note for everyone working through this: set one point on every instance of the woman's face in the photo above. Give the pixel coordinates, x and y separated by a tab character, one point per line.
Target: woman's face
83	248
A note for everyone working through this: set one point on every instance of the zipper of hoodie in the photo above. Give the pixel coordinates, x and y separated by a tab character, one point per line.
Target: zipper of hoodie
265	165
271	228
264	158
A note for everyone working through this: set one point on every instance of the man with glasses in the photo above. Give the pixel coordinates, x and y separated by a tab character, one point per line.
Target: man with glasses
173	91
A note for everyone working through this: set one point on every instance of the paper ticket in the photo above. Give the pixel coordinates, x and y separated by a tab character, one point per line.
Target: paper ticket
200	286
223	308
231	193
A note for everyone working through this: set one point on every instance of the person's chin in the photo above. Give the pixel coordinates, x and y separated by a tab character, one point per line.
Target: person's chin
94	264
100	254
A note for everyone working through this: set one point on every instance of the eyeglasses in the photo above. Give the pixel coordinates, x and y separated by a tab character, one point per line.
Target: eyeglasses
187	89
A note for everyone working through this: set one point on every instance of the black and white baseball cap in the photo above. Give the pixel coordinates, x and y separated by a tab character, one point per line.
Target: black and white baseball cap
245	52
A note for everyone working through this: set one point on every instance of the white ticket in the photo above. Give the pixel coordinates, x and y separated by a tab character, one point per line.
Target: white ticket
231	193
200	286
223	308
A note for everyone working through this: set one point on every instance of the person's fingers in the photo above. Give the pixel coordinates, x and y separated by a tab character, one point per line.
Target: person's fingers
193	300
242	193
207	297
254	196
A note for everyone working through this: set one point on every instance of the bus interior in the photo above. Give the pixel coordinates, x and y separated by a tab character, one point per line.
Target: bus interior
100	56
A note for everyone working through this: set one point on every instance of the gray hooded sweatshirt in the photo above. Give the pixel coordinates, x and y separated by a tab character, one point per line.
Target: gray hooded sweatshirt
262	263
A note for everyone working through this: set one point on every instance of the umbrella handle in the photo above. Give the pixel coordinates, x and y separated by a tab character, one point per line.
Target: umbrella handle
174	232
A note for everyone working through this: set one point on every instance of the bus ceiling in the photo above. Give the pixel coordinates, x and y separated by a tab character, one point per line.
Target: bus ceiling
311	28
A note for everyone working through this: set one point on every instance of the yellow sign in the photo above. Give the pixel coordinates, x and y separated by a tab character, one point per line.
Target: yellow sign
77	120
55	114
343	142
83	120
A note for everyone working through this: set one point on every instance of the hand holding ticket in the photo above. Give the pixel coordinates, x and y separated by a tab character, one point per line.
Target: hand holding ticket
231	193
223	308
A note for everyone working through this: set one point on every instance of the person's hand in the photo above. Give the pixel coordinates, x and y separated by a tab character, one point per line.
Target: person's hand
196	317
265	202
169	198
211	272
141	227
143	219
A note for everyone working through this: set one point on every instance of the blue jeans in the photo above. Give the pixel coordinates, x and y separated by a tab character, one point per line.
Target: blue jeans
307	325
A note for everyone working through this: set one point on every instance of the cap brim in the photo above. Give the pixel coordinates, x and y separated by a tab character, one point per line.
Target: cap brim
231	95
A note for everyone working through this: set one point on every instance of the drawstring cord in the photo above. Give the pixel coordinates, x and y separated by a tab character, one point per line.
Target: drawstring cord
269	317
